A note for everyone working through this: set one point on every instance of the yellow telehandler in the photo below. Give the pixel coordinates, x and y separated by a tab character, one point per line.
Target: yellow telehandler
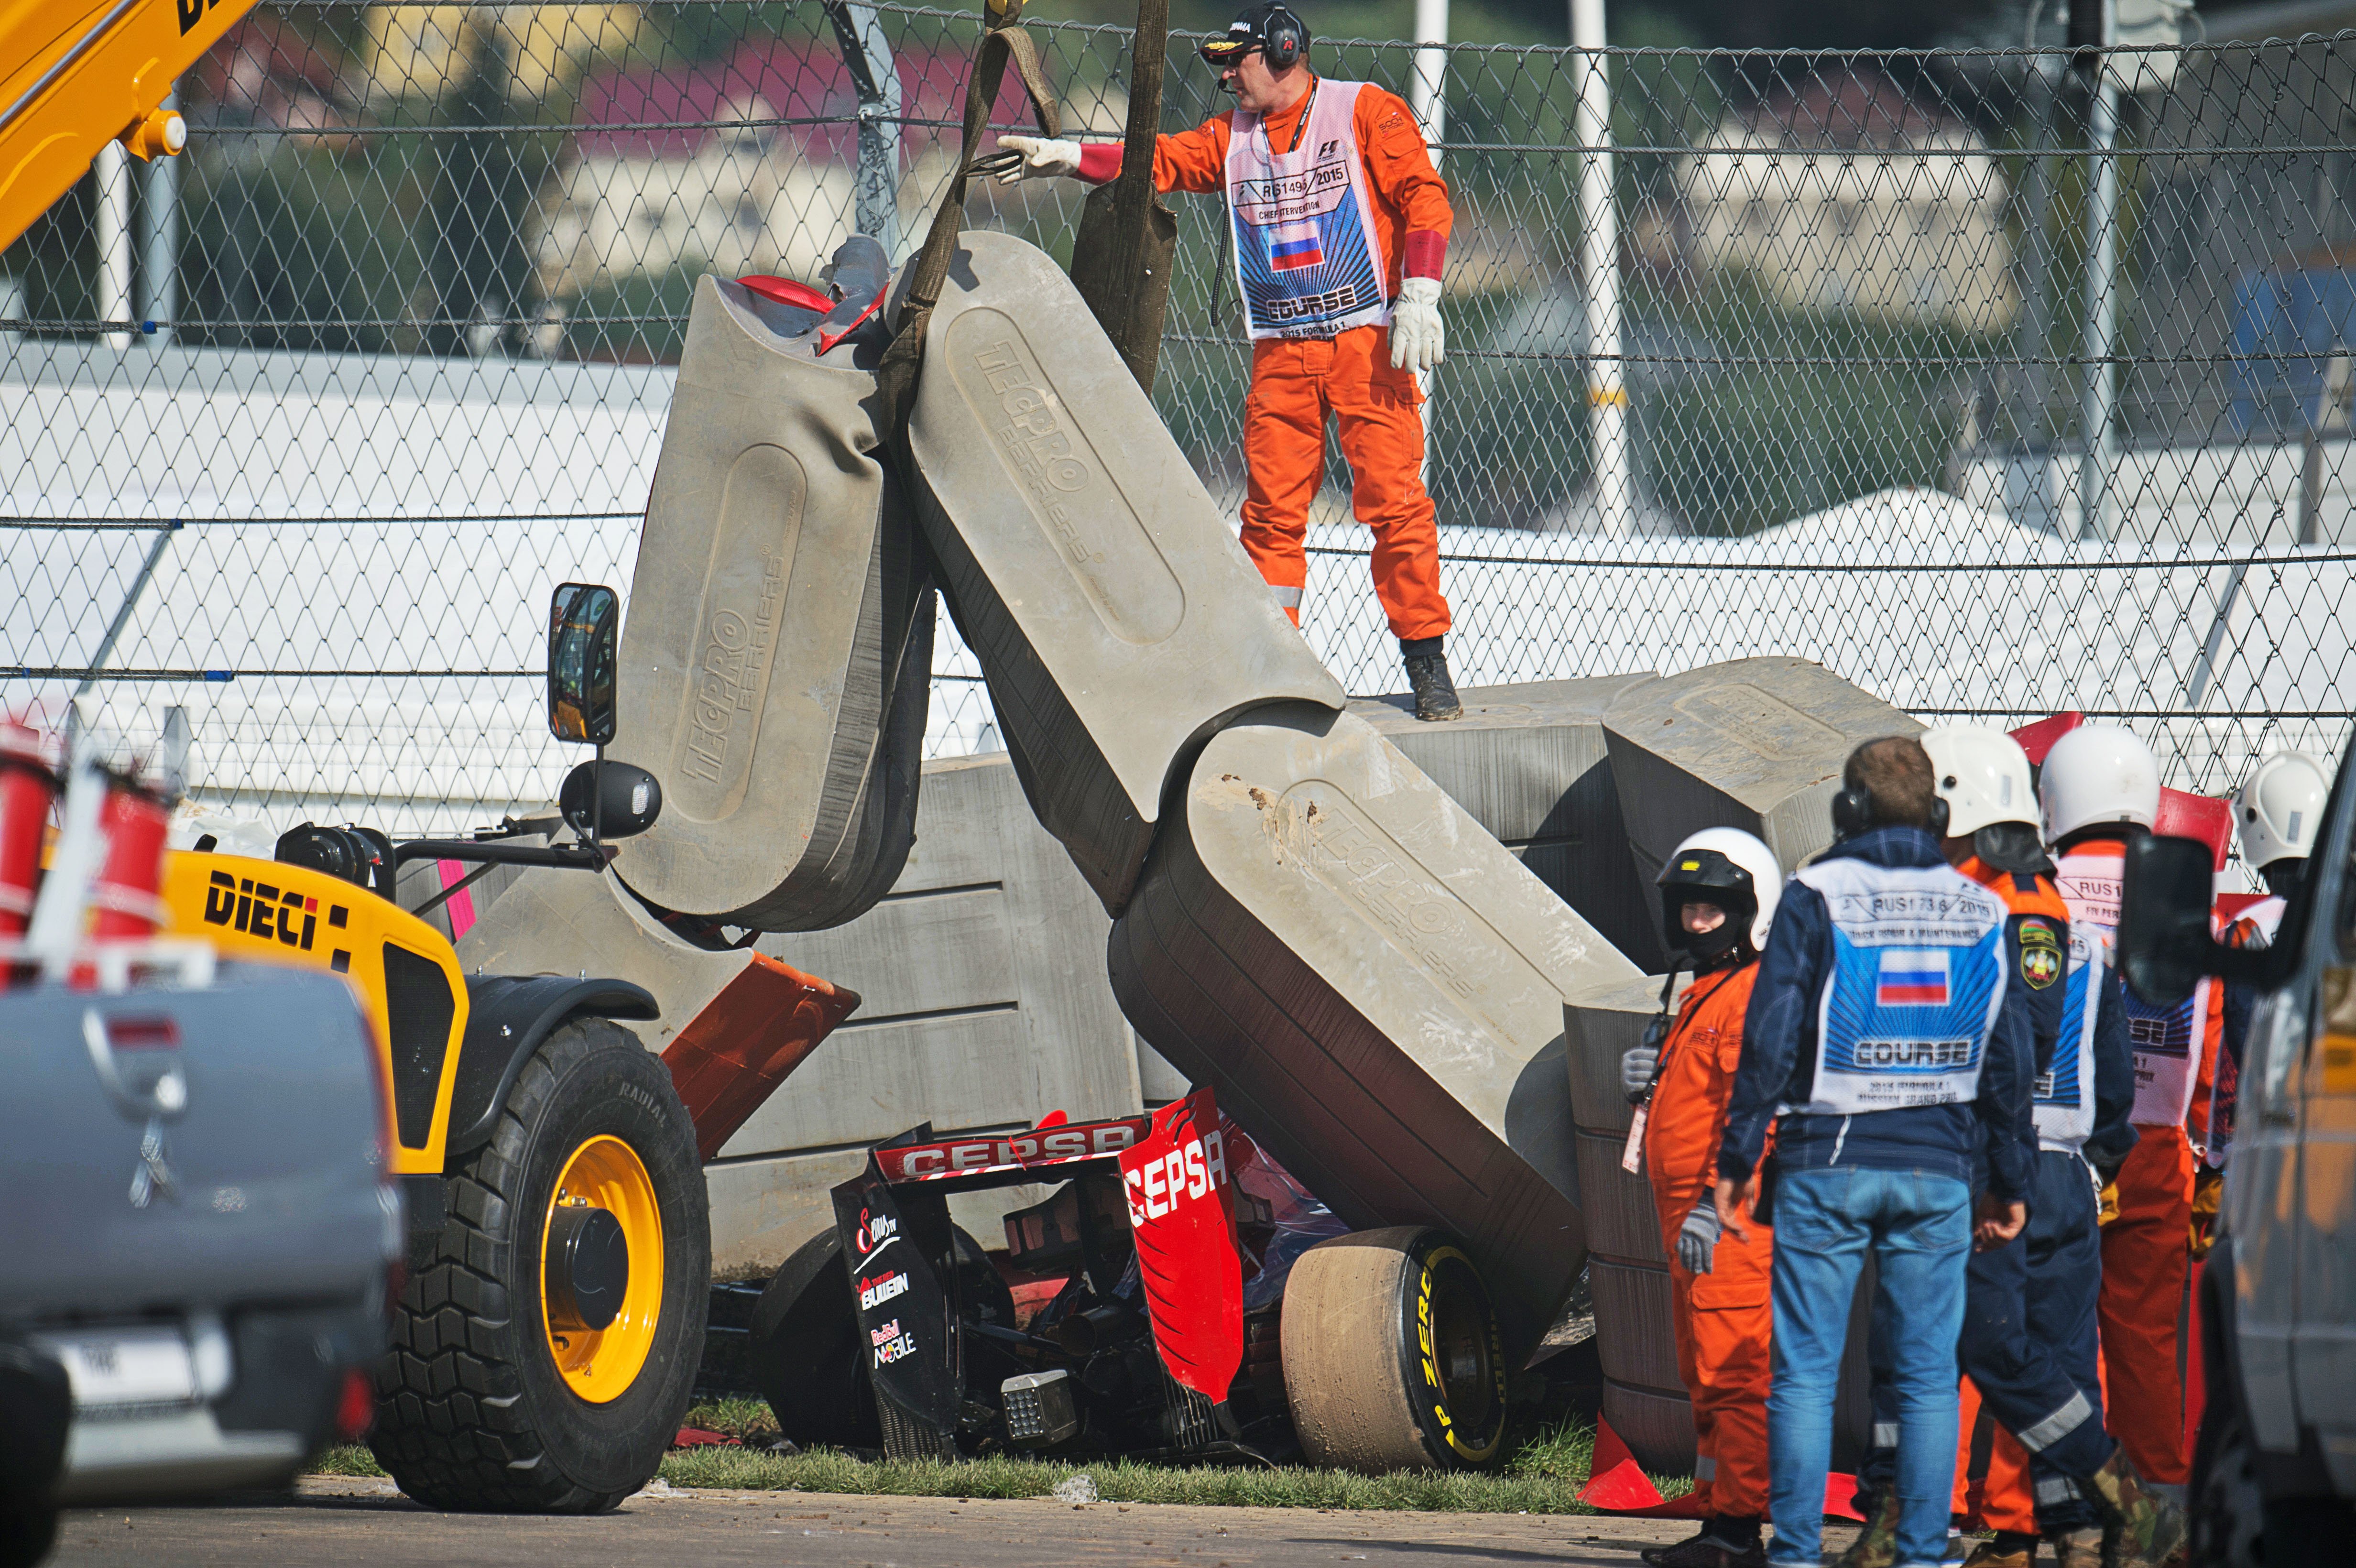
546	1339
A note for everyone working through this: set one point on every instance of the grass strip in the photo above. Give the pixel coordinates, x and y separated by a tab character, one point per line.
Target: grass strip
1543	1475
1123	1482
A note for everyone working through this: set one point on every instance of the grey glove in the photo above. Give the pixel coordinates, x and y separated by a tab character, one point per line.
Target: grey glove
1698	1238
1637	1064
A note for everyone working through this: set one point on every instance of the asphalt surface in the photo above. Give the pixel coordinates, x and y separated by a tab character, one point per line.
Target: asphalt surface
346	1523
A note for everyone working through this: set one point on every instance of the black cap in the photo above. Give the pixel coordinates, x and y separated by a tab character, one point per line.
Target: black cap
1269	27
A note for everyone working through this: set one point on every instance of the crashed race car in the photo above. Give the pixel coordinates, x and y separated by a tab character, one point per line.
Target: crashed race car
1177	1297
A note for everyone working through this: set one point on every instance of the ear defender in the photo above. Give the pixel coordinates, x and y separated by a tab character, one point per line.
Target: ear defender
1287	39
1852	812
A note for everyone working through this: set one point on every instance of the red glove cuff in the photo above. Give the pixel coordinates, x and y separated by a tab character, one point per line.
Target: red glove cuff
1426	250
1100	161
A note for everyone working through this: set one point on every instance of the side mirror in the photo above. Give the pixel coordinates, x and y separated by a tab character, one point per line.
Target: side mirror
610	800
583	648
2165	941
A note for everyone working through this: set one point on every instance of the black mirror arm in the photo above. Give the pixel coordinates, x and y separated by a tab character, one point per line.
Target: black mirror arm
563	856
2147	966
597	799
2267	969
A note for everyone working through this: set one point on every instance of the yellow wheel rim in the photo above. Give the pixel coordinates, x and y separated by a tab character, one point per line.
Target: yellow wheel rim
599	1364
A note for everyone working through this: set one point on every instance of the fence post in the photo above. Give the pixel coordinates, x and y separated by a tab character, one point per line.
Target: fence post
1428	86
1599	275
1427	96
2099	399
875	79
159	229
2033	388
113	299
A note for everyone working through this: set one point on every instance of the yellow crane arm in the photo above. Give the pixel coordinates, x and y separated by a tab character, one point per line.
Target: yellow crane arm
82	73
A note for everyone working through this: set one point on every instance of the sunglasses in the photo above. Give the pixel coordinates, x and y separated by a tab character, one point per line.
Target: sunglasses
1226	51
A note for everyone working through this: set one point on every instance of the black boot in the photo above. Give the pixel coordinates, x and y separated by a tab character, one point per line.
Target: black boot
1427	677
1722	1543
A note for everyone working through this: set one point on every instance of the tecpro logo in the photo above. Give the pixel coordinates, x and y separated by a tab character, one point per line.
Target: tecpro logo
728	679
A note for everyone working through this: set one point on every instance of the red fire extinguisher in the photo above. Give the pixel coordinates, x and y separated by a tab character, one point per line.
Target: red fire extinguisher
28	790
127	895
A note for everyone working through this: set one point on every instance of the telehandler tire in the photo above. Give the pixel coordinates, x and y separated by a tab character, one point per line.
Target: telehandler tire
1393	1360
544	1356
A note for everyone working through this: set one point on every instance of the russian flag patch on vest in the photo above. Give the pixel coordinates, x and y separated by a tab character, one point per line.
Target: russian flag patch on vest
1290	252
1911	978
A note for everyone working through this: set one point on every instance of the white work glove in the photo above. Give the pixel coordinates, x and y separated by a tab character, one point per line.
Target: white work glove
1043	157
1698	1238
1637	1064
1418	340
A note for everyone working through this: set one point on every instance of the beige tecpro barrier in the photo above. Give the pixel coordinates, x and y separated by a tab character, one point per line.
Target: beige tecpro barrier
1528	761
1377	988
775	660
1116	617
1755	743
1627	1273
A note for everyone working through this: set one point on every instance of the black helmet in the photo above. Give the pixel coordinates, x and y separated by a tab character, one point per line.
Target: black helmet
1730	868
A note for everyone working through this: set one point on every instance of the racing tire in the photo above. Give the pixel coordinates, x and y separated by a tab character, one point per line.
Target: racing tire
491	1398
804	1354
1392	1358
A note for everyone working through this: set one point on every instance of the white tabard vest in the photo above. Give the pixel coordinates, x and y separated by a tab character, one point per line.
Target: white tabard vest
1917	980
2167	1041
1306	260
2064	1100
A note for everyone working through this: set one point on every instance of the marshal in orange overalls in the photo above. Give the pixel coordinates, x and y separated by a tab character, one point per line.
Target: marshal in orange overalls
2146	1249
1725	1319
1298	383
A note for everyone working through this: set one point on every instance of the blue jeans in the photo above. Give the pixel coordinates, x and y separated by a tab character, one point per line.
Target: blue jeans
2028	1342
1919	1226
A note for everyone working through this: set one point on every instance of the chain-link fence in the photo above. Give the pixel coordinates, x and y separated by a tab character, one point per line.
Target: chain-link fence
2000	381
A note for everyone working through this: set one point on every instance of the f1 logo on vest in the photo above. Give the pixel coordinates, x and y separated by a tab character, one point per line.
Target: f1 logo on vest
1324	149
192	13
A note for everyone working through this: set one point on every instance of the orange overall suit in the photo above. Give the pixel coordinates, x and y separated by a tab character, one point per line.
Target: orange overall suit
1724	1319
1298	382
2147	1252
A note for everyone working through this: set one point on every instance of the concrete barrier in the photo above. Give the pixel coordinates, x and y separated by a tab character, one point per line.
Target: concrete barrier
1754	743
985	1006
1115	616
1375	987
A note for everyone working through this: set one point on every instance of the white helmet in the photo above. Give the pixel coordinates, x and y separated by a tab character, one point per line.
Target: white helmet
2097	774
2280	807
1983	776
1722	860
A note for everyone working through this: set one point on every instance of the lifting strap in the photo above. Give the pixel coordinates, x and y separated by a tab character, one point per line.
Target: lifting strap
1128	243
1003	39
